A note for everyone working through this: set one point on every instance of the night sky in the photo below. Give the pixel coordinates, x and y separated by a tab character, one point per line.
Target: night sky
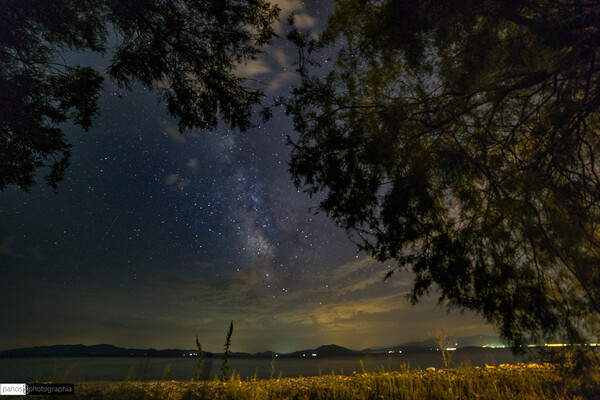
155	236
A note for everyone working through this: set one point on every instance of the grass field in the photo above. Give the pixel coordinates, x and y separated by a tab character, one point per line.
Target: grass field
522	382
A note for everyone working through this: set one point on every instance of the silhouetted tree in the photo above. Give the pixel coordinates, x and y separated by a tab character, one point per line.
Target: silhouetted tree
460	139
186	50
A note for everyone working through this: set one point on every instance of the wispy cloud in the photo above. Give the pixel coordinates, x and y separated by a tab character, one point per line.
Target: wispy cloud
253	68
363	273
8	247
302	19
274	68
350	306
172	131
192	163
241	282
176	181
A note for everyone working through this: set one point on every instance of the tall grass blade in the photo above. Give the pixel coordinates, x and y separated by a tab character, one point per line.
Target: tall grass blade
226	351
200	359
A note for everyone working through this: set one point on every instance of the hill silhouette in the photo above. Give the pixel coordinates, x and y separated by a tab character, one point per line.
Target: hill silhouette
109	350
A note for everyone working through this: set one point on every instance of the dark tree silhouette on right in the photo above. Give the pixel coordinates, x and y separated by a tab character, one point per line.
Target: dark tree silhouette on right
461	140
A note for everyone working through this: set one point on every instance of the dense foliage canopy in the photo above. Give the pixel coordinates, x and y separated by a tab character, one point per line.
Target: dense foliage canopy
461	139
186	50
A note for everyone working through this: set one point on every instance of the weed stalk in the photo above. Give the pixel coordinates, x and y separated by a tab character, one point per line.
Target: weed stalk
200	359
227	347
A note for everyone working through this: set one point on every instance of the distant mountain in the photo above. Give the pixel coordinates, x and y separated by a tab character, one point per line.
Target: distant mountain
108	350
327	350
461	342
267	353
98	350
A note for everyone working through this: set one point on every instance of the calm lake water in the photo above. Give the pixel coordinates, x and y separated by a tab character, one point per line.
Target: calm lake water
78	369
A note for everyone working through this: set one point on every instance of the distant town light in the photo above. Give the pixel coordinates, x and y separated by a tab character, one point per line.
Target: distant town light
546	345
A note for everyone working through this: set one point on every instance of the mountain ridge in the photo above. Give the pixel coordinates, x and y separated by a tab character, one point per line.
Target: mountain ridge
109	350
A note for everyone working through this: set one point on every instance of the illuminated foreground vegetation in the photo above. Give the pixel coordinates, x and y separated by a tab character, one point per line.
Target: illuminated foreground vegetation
522	381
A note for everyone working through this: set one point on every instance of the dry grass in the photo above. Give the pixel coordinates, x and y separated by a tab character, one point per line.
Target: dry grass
522	382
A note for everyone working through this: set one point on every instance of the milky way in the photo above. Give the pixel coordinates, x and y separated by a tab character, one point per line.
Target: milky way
156	235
